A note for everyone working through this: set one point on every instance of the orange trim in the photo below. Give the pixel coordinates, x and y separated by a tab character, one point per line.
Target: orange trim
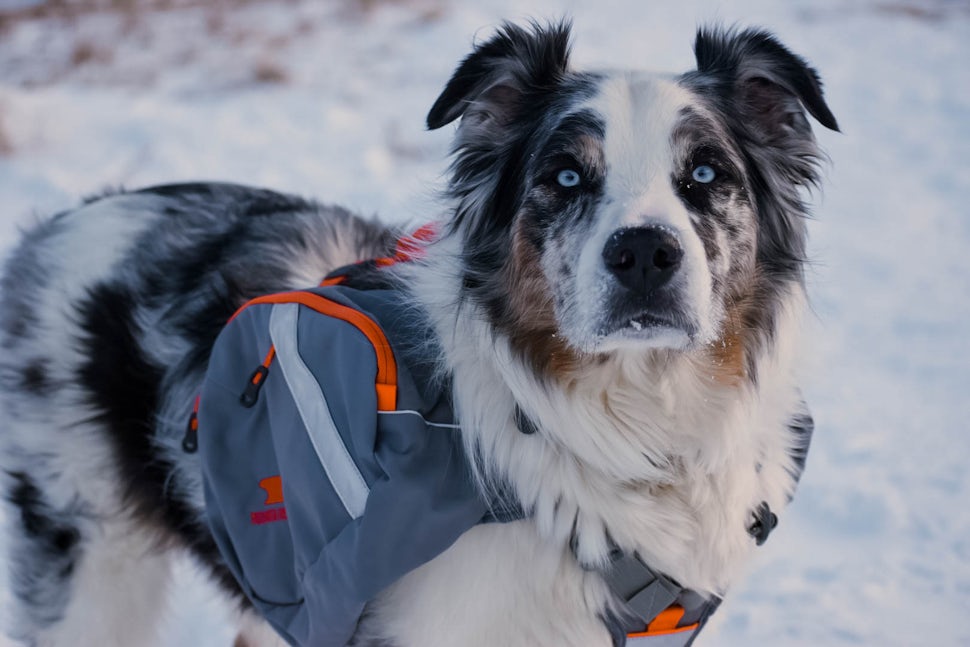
386	394
665	624
407	248
386	382
667	619
334	280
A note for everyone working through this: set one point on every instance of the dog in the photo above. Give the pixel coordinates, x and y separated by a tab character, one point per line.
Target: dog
621	265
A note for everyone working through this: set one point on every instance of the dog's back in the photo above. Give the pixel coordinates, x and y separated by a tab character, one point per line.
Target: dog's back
108	315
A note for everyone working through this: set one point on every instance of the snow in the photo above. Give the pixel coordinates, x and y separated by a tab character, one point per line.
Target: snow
327	99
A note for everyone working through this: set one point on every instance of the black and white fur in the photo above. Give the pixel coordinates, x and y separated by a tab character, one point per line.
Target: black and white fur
621	262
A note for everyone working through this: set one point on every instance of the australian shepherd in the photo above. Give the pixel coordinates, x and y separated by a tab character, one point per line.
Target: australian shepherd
620	264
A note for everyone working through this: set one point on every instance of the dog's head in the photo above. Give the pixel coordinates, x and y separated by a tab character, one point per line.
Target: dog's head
604	211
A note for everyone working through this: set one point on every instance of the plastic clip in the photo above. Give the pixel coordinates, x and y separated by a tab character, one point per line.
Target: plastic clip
764	522
251	394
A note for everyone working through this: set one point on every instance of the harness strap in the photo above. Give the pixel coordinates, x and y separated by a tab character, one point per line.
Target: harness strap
654	610
644	591
408	248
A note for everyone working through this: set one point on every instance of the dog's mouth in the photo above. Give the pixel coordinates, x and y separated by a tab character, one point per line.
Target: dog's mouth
650	327
647	320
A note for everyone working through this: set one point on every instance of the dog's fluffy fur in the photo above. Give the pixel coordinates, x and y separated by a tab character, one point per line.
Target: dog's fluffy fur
663	395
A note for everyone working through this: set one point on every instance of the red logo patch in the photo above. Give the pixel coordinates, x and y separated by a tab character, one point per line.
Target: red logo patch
273	486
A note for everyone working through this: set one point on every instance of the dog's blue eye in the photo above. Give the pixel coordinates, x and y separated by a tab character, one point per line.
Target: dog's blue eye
703	174
568	178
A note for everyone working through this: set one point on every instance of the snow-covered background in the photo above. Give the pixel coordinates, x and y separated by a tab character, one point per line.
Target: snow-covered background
327	98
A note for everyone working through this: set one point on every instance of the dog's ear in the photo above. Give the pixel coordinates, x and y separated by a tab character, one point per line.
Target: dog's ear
488	86
768	85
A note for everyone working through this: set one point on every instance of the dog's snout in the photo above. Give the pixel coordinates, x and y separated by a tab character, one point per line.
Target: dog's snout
643	258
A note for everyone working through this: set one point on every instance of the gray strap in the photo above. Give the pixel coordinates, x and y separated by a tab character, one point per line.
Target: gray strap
310	402
644	591
644	594
679	639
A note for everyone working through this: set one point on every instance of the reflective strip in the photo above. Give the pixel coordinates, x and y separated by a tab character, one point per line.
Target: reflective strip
310	402
418	414
676	638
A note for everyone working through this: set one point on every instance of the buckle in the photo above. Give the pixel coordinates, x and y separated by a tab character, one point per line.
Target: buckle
764	522
644	591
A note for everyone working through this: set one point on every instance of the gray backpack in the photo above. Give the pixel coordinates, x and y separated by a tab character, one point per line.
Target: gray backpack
320	447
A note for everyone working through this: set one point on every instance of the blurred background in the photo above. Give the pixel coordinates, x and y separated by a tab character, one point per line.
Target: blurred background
327	99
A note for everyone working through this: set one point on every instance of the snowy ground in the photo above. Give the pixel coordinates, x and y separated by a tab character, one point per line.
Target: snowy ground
327	99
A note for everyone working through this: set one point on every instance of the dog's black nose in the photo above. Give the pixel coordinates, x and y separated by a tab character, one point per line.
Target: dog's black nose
643	258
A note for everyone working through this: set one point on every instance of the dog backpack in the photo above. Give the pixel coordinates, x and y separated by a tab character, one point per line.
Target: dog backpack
329	471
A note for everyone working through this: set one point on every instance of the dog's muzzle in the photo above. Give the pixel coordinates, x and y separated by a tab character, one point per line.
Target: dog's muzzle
645	262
